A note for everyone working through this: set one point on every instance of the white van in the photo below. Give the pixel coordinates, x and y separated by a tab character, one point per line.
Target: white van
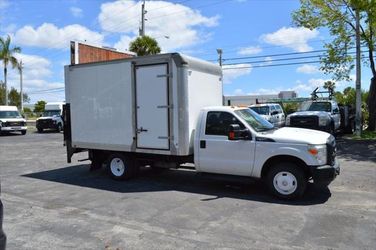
272	112
11	120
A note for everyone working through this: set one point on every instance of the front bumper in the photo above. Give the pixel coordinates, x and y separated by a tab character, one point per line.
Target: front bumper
9	129
324	175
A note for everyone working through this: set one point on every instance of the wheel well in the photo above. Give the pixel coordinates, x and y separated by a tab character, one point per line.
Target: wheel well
282	158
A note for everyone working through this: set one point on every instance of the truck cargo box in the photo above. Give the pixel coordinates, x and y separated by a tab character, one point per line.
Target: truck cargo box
143	104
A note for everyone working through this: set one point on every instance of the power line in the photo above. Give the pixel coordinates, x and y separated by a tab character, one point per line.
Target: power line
287	59
270	65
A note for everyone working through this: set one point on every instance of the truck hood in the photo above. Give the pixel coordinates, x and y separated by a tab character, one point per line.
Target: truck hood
296	135
12	120
312	113
47	118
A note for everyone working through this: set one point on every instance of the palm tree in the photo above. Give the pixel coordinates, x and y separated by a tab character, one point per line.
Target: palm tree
145	45
7	56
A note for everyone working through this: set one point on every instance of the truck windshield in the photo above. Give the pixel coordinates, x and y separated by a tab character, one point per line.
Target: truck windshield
10	114
316	106
261	110
51	112
254	120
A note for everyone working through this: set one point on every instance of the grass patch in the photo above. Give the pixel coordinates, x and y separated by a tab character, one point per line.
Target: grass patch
366	135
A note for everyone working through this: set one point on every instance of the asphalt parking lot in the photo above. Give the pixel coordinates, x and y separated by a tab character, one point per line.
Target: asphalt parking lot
50	204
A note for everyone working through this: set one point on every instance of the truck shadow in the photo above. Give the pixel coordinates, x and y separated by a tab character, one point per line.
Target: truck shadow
356	150
177	180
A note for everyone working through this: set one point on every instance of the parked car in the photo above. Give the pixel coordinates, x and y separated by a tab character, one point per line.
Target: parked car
51	117
272	112
11	120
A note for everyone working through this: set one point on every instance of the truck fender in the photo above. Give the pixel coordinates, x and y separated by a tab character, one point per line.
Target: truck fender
281	154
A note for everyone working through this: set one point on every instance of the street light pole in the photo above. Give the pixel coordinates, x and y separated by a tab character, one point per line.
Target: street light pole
358	103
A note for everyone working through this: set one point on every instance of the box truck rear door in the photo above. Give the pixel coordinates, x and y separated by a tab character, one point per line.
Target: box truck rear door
152	106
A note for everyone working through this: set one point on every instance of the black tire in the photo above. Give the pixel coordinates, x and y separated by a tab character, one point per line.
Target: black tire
287	181
23	132
121	167
59	128
40	130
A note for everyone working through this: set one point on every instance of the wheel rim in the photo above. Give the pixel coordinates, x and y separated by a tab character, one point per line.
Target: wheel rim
117	167
285	183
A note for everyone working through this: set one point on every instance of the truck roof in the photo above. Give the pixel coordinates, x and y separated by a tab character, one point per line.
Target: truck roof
180	60
8	108
223	108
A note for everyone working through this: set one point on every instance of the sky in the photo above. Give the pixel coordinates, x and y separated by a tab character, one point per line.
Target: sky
251	33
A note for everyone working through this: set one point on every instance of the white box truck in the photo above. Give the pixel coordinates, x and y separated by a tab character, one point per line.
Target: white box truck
51	117
166	110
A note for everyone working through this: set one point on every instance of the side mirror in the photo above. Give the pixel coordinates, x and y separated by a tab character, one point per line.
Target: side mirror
275	113
335	111
235	133
40	115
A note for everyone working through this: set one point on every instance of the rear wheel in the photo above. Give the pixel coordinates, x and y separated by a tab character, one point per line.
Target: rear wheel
40	130
121	167
286	181
23	132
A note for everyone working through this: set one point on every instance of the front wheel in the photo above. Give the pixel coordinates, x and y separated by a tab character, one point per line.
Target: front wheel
286	181
59	128
120	167
23	132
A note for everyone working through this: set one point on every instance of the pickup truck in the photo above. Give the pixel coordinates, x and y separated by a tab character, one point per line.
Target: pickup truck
317	114
237	141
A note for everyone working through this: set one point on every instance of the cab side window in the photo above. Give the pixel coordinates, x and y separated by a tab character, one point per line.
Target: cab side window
218	123
272	109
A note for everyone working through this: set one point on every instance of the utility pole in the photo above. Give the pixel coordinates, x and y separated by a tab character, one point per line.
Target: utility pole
20	69
220	51
358	103
143	12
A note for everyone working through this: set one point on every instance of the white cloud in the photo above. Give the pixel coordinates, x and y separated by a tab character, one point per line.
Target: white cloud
49	36
123	43
307	69
4	4
76	12
267	61
251	50
293	38
231	72
182	25
239	92
36	79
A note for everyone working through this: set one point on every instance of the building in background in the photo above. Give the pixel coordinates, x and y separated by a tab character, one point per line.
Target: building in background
86	53
246	100
287	95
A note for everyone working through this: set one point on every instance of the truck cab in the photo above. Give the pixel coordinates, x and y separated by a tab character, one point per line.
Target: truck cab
11	120
51	117
237	141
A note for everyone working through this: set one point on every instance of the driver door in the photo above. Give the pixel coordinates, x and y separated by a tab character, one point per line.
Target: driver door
217	154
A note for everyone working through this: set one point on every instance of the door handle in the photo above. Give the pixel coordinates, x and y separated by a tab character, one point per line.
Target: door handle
140	130
202	144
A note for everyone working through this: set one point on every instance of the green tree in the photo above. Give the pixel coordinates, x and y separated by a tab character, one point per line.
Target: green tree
14	96
144	45
39	106
338	16
7	56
